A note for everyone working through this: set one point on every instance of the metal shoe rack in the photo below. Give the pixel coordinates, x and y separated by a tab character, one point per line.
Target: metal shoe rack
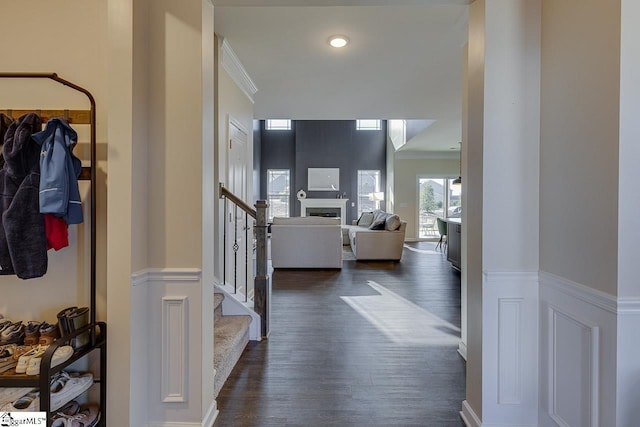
96	330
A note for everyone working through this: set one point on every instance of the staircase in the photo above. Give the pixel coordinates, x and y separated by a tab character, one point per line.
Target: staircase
231	336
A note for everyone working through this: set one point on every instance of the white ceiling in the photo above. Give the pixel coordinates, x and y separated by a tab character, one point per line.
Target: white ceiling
403	61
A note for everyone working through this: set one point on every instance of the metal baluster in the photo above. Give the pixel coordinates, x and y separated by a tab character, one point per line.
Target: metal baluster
246	257
235	249
224	250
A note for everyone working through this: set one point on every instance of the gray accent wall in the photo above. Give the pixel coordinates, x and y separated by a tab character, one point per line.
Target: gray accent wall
324	144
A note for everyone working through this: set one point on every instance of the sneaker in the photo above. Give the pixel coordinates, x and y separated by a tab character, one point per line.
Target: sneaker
89	416
29	402
66	386
7	359
12	354
62	416
23	361
11	394
62	354
48	333
12	334
32	333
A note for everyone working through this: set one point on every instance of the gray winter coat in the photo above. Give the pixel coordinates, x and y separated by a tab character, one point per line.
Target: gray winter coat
23	243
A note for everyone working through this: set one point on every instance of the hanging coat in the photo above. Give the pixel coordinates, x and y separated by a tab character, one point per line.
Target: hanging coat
5	122
23	245
59	171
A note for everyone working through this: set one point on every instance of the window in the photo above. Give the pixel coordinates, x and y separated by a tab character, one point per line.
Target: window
278	124
278	192
437	198
368	191
367	124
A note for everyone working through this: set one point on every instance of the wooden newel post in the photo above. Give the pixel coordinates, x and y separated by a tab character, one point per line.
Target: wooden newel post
262	287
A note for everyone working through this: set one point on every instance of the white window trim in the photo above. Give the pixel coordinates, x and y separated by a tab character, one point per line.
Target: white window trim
359	126
377	189
269	126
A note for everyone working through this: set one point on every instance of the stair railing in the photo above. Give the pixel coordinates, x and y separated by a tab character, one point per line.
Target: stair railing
261	284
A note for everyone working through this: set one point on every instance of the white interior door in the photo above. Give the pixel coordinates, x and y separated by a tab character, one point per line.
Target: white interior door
238	231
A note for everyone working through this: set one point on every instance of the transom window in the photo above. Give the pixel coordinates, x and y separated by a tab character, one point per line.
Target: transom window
278	192
278	124
368	125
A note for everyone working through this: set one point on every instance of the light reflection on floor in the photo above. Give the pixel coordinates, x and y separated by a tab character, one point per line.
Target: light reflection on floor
423	251
402	321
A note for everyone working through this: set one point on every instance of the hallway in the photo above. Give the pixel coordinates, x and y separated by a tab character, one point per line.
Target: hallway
374	344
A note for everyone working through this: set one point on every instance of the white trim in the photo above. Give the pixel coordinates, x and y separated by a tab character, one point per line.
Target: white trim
584	293
594	359
233	305
153	275
436	155
462	349
175	352
510	348
211	415
595	351
236	71
628	306
469	416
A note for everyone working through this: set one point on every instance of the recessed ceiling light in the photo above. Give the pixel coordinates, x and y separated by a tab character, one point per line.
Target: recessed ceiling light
338	41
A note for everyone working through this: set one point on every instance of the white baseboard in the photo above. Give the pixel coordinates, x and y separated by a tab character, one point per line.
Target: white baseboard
469	416
211	415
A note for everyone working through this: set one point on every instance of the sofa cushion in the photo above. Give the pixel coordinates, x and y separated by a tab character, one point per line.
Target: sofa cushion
377	224
365	219
392	223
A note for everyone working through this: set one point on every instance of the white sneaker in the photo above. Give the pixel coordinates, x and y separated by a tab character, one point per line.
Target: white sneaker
23	361
29	402
66	386
62	354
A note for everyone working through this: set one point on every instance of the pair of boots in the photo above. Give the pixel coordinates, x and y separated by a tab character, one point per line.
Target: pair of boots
72	319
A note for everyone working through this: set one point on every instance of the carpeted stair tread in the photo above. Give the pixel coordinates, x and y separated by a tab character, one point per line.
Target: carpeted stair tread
231	336
217	306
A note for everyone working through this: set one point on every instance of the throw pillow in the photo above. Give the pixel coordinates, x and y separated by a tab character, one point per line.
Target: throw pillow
378	224
365	219
392	223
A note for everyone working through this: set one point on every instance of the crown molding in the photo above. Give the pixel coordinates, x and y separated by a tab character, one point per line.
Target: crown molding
437	155
236	70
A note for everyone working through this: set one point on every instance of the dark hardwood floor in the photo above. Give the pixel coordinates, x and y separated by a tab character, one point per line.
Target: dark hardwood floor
374	344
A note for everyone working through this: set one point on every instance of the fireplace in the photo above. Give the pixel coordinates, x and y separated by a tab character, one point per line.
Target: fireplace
324	207
325	212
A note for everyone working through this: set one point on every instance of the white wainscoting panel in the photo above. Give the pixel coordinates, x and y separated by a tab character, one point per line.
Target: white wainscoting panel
173	363
573	371
175	348
577	355
510	348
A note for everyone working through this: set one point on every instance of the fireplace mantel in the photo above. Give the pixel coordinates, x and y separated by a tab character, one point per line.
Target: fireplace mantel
325	203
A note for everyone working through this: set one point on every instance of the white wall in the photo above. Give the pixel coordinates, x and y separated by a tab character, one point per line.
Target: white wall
406	173
500	160
579	135
231	102
161	370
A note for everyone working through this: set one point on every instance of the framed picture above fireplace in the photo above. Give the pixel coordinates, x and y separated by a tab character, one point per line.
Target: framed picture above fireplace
323	179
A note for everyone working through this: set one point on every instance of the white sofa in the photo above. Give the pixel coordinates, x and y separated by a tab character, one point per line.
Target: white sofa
383	244
306	242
